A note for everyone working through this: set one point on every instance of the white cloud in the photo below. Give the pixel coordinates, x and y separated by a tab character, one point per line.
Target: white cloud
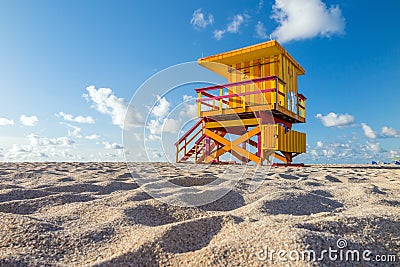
167	125
37	141
188	98
261	32
330	151
156	155
4	121
29	120
386	132
344	152
73	131
320	144
341	152
374	147
24	153
394	154
190	111
171	126
160	123
161	109
336	120
154	126
138	136
154	137
303	19
389	132
109	155
41	148
314	153
114	145
234	25
260	4
200	20
368	132
107	103
92	137
218	34
78	119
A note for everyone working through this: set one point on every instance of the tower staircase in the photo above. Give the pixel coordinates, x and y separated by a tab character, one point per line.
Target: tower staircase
194	144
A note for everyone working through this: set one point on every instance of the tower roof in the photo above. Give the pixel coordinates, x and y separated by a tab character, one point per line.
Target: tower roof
257	51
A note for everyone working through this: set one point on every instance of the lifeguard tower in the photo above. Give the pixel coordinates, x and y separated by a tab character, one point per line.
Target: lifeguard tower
256	108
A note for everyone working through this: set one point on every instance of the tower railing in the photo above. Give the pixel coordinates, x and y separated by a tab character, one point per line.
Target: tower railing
266	92
189	143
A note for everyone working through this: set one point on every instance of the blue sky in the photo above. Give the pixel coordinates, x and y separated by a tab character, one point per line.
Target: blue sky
52	52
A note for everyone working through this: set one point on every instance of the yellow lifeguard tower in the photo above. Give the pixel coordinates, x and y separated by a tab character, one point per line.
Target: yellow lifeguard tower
258	106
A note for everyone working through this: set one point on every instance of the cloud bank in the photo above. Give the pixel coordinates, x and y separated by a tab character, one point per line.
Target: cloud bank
4	121
78	119
336	120
105	101
386	132
29	120
305	19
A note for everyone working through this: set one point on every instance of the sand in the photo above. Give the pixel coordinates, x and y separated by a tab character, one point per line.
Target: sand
95	214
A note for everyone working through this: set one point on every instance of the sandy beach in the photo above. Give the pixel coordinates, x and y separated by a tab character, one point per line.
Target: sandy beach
96	214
